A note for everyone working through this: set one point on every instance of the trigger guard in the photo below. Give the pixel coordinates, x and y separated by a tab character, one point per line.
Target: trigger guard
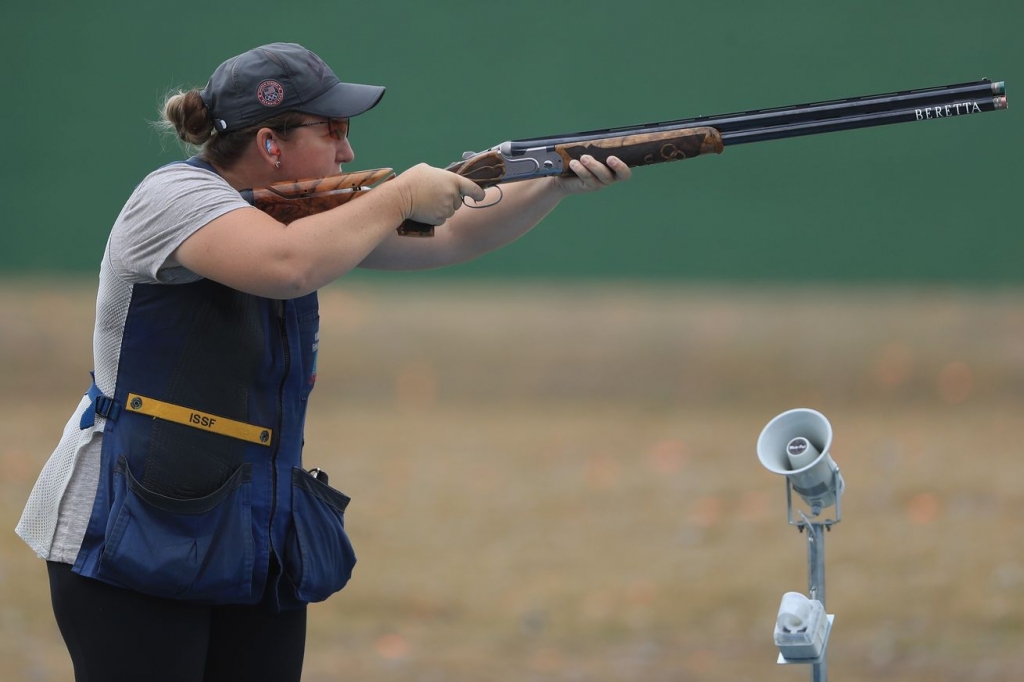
501	195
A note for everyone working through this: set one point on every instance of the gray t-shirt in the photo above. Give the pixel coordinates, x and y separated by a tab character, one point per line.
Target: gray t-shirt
168	206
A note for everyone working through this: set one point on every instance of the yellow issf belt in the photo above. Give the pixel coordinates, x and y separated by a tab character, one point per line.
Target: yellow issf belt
199	420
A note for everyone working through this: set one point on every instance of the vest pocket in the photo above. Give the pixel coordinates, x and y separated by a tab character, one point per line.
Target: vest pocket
318	558
197	549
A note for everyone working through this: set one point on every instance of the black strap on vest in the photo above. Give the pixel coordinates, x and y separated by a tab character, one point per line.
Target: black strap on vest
99	404
196	162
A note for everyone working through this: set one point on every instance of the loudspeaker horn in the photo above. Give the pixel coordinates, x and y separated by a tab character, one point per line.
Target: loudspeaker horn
796	445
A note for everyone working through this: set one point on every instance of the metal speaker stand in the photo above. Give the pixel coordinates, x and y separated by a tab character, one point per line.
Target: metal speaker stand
815	569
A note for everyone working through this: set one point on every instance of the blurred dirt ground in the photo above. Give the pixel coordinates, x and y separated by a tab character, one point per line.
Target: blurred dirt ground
560	482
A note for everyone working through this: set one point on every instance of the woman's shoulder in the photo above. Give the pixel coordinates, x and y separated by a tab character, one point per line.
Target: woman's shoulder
183	172
184	187
169	204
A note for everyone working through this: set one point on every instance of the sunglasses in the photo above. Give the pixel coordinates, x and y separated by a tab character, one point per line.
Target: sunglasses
337	128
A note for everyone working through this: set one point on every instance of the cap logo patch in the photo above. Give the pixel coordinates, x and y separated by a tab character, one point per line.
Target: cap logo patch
270	93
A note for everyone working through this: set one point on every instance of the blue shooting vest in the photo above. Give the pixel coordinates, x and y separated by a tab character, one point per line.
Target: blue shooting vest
202	495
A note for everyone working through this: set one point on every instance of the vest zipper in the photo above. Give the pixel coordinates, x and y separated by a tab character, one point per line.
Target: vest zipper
282	325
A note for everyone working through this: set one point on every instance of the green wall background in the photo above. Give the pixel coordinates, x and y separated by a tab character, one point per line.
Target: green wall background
929	203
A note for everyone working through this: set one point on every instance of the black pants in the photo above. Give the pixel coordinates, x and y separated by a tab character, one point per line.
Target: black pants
117	635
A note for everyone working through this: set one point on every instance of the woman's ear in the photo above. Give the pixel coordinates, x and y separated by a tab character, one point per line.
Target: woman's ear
271	152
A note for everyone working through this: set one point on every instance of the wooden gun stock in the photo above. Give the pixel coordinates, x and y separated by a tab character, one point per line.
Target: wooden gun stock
294	199
289	201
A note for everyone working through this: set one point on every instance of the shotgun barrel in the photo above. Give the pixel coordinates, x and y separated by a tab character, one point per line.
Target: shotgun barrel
865	120
990	96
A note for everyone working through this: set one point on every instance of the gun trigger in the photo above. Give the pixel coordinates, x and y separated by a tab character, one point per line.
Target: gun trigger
468	155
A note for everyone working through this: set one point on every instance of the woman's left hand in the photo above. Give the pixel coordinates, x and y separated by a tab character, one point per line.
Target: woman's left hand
592	175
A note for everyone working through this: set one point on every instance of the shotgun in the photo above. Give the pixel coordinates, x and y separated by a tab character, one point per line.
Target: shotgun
643	145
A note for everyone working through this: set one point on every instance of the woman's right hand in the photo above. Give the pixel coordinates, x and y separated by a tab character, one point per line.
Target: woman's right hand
432	195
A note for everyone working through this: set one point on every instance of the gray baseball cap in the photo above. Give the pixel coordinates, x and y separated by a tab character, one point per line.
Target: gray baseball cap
276	78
